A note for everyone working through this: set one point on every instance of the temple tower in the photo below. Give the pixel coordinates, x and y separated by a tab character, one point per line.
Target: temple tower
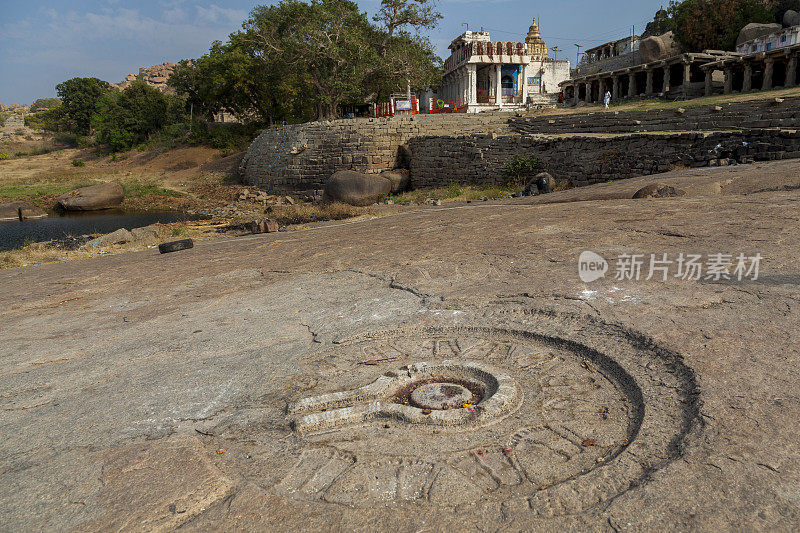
536	46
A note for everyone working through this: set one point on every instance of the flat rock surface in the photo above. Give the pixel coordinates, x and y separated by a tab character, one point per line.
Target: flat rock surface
147	391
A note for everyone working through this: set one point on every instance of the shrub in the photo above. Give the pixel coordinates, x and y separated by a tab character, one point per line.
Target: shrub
4	156
77	163
520	168
43	104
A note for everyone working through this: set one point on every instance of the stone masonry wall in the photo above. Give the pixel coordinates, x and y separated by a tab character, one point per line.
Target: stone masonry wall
731	116
585	159
312	152
440	152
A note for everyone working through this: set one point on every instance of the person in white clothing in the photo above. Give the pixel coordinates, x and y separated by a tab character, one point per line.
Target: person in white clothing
607	99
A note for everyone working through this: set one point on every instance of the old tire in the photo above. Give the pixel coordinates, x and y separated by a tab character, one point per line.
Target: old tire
175	246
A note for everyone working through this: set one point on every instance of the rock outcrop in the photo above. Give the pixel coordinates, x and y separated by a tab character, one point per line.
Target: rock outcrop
356	189
755	30
657	48
95	197
155	76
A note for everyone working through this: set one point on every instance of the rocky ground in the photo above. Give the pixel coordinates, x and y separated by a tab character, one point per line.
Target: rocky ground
183	390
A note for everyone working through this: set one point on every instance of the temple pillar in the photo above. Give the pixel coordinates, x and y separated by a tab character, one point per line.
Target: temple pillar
631	85
747	83
728	80
768	69
473	83
791	71
577	94
524	82
499	84
649	85
588	98
667	80
601	90
687	78
615	88
709	81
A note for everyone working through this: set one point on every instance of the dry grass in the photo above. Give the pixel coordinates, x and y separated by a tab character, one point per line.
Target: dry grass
304	213
455	193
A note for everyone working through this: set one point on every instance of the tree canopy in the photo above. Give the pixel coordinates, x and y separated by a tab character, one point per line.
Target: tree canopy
78	98
297	60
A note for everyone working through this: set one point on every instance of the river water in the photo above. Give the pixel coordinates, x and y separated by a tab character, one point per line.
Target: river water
65	224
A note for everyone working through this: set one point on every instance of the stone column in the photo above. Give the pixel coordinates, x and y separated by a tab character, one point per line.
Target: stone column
498	84
768	68
577	94
747	83
667	76
472	82
687	78
791	71
709	81
649	85
524	82
588	98
631	85
728	80
601	90
615	88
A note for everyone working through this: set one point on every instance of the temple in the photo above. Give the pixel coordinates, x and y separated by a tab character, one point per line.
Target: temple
482	75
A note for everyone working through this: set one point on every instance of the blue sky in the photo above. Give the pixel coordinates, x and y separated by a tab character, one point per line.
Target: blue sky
43	42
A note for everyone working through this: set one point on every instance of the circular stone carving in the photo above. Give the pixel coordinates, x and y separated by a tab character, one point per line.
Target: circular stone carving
441	395
572	414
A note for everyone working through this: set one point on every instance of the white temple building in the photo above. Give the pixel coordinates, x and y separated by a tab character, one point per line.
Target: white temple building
481	75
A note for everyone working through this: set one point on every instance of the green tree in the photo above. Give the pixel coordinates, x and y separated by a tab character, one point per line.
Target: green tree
128	117
328	44
714	24
42	104
54	119
79	97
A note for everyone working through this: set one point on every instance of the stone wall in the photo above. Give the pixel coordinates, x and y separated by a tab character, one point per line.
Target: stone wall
731	116
473	148
312	152
584	160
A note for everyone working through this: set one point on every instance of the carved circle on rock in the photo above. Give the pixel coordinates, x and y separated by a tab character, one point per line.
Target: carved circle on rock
591	410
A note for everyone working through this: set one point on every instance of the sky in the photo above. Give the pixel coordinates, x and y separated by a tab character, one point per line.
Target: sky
44	42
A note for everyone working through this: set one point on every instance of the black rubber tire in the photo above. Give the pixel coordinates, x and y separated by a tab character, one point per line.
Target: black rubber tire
175	246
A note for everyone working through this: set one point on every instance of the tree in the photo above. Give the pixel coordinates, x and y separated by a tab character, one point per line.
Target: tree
714	24
42	104
126	118
398	14
325	43
79	97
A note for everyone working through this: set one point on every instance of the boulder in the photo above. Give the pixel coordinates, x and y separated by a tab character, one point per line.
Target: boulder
147	232
657	48
399	179
266	225
121	236
755	30
92	198
357	189
29	212
10	211
658	190
20	211
791	18
541	183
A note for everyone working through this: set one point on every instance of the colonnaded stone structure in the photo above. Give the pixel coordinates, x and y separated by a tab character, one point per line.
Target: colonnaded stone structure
440	149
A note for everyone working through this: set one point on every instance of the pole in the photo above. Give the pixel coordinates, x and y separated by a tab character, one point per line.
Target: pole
578	56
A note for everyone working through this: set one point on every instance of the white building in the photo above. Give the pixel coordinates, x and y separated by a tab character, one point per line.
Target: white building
779	39
481	75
